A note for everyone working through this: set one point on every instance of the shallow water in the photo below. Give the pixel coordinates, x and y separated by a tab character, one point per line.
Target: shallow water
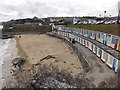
4	45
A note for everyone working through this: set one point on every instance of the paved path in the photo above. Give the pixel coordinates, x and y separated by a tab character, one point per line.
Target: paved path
99	70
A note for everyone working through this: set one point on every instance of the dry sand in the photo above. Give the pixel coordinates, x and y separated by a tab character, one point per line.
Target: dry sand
36	47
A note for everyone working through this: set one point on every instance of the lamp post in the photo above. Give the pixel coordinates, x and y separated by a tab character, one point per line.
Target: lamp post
118	12
109	17
118	18
105	15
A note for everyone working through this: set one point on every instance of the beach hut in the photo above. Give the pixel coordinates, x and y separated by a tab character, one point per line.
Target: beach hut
80	31
75	37
72	36
97	36
85	43
64	34
118	45
99	52
110	61
104	39
116	64
94	35
76	30
80	40
85	33
103	55
94	48
90	45
91	36
73	30
59	28
67	29
68	34
114	42
88	34
107	58
101	37
109	39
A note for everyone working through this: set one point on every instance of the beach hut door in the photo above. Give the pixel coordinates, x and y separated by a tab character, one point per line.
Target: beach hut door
114	64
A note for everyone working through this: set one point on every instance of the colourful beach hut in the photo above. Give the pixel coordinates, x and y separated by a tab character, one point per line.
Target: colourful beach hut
103	55
109	39
110	61
107	58
115	64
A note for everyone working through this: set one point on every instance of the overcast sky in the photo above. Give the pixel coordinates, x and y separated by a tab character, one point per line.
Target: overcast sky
14	9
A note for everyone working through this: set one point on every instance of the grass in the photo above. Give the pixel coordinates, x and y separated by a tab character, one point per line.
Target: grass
110	29
41	29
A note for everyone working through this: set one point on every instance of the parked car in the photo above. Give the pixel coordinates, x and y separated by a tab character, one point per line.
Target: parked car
100	22
114	22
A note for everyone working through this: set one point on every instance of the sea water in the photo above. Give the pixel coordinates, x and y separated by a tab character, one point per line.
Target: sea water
4	45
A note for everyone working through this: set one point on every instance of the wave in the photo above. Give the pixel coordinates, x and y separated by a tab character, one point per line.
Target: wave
4	45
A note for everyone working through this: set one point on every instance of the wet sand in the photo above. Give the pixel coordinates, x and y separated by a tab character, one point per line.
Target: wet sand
7	63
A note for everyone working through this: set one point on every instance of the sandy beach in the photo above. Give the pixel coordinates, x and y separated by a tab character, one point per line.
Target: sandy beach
34	48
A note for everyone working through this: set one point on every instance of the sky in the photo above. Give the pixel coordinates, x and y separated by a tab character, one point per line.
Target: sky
19	9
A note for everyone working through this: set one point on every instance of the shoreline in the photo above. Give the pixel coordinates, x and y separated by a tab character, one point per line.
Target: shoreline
21	52
7	62
35	47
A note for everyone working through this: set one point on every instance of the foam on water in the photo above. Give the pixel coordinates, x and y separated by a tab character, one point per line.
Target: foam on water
4	45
